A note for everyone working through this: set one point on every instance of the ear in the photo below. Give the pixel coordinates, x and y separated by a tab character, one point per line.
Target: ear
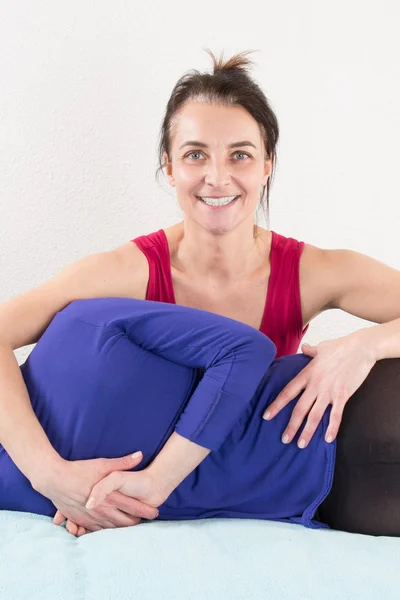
267	169
168	169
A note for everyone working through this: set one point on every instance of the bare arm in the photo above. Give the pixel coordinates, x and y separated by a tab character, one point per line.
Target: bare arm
361	286
178	458
21	434
23	319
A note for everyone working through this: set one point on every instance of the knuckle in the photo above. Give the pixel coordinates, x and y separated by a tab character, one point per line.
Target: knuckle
342	394
114	498
100	511
113	477
127	462
318	379
337	410
325	395
335	421
314	419
140	511
287	395
297	414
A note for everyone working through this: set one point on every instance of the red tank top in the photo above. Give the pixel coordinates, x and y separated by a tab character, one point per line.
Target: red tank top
282	319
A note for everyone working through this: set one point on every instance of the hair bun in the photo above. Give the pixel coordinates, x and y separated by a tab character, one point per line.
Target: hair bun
238	62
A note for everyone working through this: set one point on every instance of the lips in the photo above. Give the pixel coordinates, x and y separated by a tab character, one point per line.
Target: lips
234	200
219	197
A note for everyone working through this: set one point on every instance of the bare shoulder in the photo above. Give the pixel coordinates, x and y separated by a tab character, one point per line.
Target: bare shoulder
130	255
134	267
318	271
350	281
312	258
121	272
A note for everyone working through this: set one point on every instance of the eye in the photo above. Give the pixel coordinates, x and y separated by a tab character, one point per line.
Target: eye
191	153
237	152
244	153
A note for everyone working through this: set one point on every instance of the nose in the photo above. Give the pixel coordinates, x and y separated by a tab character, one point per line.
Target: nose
218	174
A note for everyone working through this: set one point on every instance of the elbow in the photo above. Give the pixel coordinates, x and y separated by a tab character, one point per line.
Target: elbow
263	347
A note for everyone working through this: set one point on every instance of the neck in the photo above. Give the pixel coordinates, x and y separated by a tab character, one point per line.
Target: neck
218	258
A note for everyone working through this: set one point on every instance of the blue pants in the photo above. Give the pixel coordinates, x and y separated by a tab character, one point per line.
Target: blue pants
91	415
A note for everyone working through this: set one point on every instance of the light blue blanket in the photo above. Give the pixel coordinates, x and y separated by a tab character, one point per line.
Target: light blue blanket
208	559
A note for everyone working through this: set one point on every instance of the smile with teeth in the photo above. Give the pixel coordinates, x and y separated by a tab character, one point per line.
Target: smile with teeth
218	201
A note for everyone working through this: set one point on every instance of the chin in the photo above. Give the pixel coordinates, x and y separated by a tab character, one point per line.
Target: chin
218	229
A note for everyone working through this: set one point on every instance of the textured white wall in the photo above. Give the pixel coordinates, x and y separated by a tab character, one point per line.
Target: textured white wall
84	87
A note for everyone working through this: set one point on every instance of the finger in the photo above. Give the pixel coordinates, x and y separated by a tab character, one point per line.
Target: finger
289	392
132	506
101	523
81	531
117	517
124	462
71	527
89	521
59	518
314	419
93	528
104	487
301	409
309	350
335	418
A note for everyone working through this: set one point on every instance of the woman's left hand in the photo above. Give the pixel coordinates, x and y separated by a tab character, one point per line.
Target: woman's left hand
111	501
337	370
112	489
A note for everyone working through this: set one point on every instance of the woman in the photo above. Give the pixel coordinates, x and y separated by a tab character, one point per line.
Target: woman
216	260
112	372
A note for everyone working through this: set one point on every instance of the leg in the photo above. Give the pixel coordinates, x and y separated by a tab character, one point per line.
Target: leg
365	495
96	399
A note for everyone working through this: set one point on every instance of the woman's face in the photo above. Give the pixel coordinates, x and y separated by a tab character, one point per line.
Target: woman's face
217	169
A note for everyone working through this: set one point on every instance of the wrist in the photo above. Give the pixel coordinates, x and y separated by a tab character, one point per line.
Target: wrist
178	457
50	470
159	489
372	341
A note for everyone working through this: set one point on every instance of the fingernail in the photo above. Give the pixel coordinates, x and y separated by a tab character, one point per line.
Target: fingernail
329	439
90	502
301	443
267	415
285	438
136	454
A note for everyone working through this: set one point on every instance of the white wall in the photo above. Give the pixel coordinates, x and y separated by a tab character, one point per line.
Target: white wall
84	87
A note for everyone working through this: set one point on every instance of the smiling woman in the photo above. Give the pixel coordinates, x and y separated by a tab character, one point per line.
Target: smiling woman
218	141
217	173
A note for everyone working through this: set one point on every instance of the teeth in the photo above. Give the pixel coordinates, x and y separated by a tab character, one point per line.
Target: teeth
218	201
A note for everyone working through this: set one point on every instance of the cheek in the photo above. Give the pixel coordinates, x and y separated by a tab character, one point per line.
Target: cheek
186	176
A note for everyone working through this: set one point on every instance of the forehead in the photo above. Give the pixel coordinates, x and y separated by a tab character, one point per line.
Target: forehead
213	124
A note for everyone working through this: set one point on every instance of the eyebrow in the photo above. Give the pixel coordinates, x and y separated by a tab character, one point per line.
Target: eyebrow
202	145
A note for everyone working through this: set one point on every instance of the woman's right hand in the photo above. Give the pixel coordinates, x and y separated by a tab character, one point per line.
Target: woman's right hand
69	487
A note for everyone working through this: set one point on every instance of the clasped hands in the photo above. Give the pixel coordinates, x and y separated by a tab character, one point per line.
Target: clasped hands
120	499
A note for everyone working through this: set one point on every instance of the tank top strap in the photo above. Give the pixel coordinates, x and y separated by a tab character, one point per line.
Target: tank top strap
282	320
155	247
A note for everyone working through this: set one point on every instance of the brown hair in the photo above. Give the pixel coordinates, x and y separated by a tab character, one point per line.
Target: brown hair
228	85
